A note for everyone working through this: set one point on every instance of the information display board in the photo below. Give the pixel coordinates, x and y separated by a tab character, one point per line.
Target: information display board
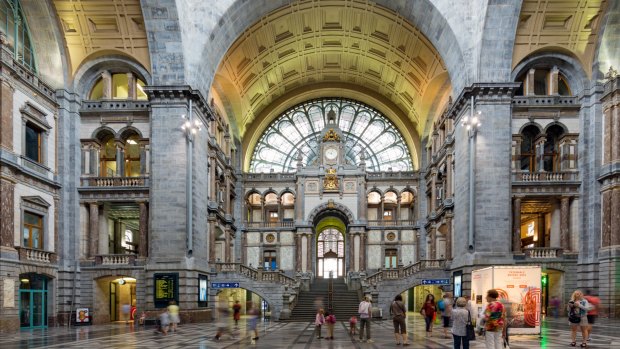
519	290
202	290
166	289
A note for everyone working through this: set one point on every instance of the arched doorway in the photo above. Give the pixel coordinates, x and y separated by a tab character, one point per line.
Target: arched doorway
330	253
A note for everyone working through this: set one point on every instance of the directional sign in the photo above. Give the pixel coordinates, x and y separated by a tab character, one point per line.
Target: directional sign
435	281
224	285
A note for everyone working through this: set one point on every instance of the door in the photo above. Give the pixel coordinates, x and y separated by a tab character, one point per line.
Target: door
330	254
33	301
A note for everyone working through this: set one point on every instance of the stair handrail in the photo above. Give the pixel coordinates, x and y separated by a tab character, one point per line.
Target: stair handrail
330	292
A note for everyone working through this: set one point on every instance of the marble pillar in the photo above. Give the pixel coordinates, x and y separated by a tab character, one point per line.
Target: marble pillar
565	223
516	225
93	229
7	218
144	230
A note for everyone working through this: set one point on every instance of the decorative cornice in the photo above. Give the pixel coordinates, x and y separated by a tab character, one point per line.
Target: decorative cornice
179	93
487	92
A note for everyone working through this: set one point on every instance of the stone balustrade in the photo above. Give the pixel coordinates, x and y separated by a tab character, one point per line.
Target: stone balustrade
404	272
518	176
392	223
115	259
116	104
39	256
107	182
543	252
255	274
279	224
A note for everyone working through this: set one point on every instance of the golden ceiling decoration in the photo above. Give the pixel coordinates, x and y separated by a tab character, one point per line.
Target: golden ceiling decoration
569	24
314	42
103	26
331	135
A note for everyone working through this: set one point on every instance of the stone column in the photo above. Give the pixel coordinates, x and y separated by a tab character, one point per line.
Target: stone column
106	79
299	201
7	213
93	228
540	152
528	89
449	237
227	201
211	240
615	217
540	225
417	246
608	136
606	234
564	223
144	230
448	187
554	76
433	238
213	178
614	140
44	144
143	160
297	252
131	86
227	250
6	115
120	159
363	264
516	152
362	201
516	225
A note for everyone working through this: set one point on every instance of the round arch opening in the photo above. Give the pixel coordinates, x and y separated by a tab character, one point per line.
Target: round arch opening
330	247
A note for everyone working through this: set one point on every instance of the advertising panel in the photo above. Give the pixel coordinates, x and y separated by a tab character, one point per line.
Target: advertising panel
519	290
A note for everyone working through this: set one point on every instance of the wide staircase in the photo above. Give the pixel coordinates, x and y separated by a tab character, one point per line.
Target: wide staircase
344	303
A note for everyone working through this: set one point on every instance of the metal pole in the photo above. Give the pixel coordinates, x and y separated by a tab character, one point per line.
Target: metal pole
190	156
472	182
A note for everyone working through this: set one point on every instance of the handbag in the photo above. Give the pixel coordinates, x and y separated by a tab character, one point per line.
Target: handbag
471	332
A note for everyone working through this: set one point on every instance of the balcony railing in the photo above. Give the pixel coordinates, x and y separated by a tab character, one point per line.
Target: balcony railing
279	224
115	259
107	182
404	272
39	256
255	274
518	176
545	100
391	223
543	252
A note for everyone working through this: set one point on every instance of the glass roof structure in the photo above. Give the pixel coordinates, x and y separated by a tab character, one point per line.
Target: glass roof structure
299	130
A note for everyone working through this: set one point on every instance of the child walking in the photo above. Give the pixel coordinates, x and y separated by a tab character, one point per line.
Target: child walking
353	325
330	320
318	322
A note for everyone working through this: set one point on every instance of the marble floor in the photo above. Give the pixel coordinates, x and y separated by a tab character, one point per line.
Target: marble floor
276	335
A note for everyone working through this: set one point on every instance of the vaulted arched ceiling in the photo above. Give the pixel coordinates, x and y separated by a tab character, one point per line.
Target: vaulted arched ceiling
307	43
100	27
569	25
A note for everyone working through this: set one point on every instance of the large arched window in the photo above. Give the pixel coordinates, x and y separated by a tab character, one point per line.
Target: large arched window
298	130
13	24
330	253
528	148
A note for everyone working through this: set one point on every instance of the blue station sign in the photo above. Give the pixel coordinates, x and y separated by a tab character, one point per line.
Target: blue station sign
435	281
224	285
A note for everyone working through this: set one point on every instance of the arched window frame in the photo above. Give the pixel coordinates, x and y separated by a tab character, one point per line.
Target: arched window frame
298	130
15	27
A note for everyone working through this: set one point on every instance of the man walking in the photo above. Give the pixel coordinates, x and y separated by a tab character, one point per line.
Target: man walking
364	311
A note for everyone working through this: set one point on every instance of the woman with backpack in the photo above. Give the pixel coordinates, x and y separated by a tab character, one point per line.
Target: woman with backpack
577	309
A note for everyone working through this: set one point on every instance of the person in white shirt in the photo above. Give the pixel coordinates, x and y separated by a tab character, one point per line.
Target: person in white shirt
364	311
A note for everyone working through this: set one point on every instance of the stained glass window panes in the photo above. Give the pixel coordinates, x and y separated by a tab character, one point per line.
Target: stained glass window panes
298	130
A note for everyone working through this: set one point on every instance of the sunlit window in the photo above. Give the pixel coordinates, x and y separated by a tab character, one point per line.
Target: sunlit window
13	24
299	128
120	88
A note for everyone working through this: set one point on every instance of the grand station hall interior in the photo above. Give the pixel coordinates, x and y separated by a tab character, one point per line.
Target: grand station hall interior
279	152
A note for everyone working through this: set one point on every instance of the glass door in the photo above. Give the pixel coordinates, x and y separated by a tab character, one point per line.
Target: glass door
33	301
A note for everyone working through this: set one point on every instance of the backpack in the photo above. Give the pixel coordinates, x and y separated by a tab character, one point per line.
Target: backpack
441	305
574	314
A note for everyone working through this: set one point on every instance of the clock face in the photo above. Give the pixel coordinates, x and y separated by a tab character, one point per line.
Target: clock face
331	153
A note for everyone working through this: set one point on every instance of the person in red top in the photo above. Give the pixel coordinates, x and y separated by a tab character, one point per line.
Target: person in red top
428	312
494	318
592	313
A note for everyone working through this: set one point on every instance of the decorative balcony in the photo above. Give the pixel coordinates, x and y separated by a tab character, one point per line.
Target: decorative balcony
107	182
391	223
543	252
279	224
38	256
115	105
115	259
518	176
